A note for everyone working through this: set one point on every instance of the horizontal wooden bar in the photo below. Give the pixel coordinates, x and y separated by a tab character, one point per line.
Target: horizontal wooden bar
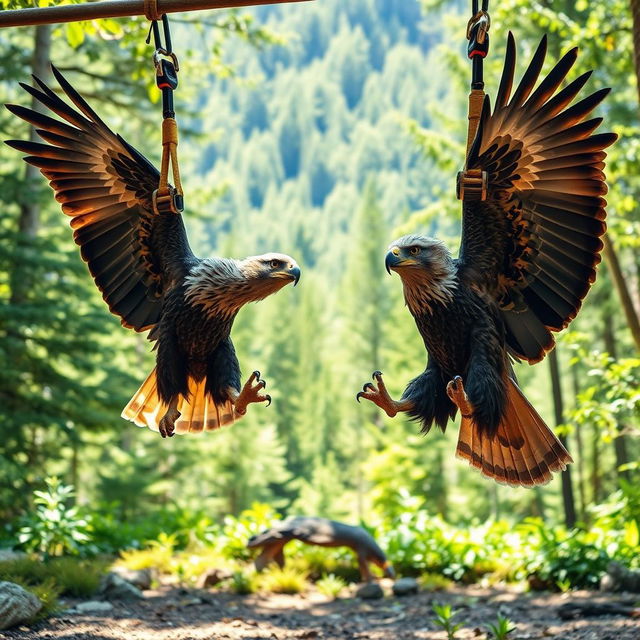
116	9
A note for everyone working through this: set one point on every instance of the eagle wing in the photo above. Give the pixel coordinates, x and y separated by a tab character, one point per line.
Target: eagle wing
533	245
106	187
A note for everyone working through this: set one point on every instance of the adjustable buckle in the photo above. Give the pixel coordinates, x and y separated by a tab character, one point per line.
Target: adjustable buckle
170	202
478	35
472	185
166	69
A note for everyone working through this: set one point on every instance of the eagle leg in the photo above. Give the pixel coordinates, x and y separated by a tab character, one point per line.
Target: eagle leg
167	422
457	394
250	393
381	397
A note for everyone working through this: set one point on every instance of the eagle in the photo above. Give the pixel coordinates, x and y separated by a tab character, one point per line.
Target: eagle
527	259
143	265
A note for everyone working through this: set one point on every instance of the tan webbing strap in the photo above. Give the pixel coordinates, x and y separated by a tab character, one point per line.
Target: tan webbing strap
164	196
476	100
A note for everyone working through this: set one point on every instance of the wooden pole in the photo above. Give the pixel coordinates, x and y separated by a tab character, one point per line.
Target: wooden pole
116	9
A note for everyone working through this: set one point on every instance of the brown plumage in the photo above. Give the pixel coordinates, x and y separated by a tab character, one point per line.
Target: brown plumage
527	259
143	265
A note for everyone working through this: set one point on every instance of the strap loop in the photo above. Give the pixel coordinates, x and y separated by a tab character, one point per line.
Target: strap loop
151	10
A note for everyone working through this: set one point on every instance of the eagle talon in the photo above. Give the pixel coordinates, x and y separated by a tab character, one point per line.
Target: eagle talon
167	422
457	395
380	396
250	394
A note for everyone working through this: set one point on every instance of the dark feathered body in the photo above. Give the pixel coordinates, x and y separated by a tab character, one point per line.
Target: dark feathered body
527	260
464	336
144	267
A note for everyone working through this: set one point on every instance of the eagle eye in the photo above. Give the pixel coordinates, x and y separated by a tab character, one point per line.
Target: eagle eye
275	264
414	251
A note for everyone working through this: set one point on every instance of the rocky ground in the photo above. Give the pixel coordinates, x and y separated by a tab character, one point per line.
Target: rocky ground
180	614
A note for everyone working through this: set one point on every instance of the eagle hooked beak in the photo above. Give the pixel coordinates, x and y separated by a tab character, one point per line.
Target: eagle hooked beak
295	273
392	260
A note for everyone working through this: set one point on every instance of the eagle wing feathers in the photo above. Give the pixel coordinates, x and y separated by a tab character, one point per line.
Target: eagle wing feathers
106	187
538	233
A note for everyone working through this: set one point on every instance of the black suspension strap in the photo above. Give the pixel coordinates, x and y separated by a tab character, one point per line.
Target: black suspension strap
166	199
472	183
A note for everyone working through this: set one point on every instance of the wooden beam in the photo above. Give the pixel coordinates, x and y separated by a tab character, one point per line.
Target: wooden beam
116	9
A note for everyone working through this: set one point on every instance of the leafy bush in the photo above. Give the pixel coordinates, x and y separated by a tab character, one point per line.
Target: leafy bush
434	582
330	585
287	580
54	528
243	582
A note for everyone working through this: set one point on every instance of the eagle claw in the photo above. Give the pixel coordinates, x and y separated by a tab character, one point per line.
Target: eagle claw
380	396
251	393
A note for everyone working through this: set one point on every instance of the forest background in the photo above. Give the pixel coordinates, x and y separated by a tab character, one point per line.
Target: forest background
323	130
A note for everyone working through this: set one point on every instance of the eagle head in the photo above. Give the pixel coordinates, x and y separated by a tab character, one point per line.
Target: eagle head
426	268
269	272
221	286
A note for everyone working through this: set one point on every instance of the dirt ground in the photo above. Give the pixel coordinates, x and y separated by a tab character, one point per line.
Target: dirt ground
180	614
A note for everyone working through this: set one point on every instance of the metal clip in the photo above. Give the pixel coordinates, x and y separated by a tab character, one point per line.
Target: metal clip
171	202
472	185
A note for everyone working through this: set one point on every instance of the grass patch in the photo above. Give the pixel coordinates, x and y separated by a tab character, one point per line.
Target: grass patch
434	582
243	582
287	580
331	585
70	576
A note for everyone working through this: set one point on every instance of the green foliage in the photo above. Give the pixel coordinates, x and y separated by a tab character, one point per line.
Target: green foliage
444	619
68	576
54	528
286	580
501	629
330	585
243	582
434	582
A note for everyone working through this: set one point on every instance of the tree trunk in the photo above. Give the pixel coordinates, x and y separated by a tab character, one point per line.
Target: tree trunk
635	13
582	492
620	440
567	487
29	220
630	311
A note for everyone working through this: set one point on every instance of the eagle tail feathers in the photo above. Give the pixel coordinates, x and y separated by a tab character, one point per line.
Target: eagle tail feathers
524	451
198	413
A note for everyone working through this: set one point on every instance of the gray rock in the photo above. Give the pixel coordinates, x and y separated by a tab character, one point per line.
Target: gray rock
16	605
92	606
370	591
113	587
619	578
212	577
405	587
6	555
140	578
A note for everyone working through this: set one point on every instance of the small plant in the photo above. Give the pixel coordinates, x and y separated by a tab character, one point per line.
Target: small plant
444	619
434	582
77	578
54	528
502	628
158	555
285	580
330	585
242	583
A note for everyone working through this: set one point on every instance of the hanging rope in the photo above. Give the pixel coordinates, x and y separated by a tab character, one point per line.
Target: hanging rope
472	184
166	199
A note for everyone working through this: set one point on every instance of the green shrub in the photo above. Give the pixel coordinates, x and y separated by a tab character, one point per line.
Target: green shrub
330	585
243	582
54	528
434	582
77	578
287	580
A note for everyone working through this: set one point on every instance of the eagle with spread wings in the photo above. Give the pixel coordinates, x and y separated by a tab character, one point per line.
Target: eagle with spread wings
142	263
527	259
